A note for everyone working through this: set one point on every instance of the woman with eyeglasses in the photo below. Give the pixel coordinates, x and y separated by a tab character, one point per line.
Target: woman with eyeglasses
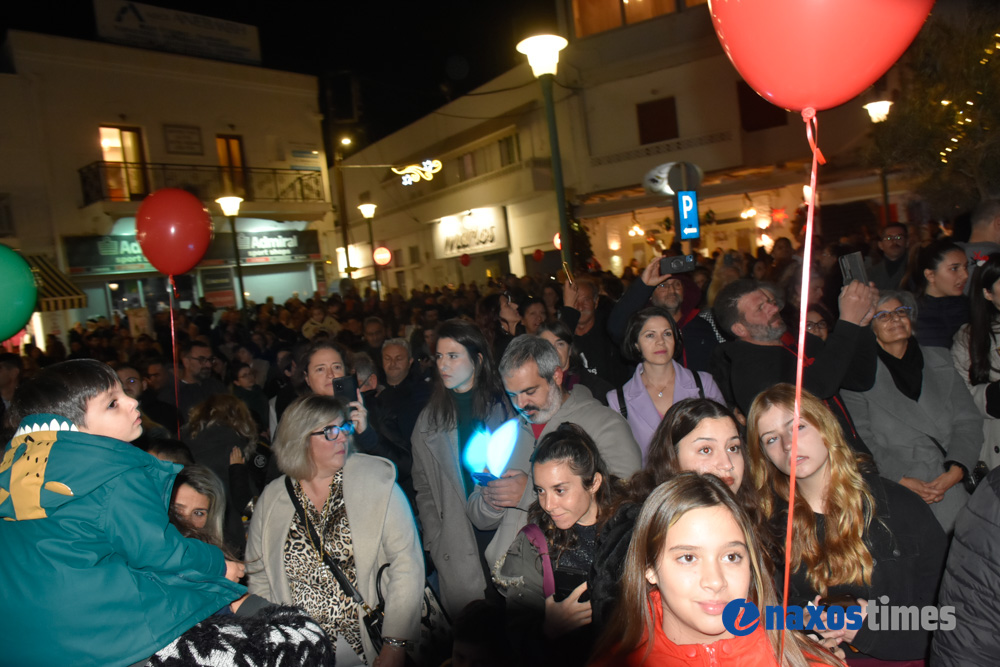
976	353
918	419
819	320
337	508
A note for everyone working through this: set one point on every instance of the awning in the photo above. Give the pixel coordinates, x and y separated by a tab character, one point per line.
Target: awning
55	291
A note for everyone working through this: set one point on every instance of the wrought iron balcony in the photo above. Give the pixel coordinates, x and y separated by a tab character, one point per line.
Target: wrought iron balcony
132	181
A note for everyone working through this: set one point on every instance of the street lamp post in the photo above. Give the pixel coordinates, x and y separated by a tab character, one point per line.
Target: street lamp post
543	56
878	111
338	177
231	208
368	211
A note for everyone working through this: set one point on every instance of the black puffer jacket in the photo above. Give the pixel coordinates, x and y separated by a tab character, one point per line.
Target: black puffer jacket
972	581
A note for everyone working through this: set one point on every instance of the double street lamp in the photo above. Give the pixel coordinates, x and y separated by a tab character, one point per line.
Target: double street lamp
231	208
543	56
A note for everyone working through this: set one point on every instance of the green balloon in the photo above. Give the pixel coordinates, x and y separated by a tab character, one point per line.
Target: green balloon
17	284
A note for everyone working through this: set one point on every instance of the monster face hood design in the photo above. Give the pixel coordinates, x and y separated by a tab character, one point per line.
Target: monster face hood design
49	463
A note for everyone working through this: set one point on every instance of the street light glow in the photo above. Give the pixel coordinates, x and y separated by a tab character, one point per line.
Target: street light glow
543	52
230	205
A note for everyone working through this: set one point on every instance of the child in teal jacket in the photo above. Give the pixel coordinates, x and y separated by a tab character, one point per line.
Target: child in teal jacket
93	571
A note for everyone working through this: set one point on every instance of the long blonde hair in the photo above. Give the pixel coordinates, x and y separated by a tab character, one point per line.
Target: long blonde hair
843	557
632	625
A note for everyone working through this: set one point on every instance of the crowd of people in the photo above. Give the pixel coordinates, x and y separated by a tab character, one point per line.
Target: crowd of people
296	482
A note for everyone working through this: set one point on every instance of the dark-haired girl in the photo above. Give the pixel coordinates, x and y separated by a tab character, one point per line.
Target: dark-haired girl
976	353
697	435
694	551
575	495
942	306
467	395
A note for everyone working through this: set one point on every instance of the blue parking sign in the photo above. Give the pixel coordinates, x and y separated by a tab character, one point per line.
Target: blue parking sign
687	206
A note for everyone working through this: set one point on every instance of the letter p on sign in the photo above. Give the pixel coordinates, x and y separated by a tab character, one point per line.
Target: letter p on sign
687	205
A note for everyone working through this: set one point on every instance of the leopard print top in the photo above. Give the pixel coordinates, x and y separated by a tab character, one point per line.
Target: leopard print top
314	587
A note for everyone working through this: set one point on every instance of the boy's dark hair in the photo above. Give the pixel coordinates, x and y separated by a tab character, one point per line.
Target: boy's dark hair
63	389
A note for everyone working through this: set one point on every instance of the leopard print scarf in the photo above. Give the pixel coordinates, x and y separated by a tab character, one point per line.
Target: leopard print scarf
314	587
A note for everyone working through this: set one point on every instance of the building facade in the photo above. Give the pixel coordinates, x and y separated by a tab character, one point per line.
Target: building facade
635	89
90	129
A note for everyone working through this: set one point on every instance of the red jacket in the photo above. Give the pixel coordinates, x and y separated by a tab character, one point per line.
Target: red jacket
754	650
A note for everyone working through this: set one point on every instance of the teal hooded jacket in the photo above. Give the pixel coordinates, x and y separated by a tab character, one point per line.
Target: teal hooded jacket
93	572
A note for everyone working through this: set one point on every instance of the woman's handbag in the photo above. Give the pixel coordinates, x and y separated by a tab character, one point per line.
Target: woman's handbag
973	477
372	618
435	643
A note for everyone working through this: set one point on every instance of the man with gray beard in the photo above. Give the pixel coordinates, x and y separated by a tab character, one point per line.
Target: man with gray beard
765	354
532	379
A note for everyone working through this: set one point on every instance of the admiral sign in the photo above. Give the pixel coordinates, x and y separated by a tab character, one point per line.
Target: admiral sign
476	231
122	254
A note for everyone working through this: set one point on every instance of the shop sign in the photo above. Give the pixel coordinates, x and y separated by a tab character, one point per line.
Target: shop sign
122	254
217	285
477	231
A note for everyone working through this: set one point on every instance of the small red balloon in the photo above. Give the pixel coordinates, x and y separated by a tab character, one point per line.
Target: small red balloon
538	255
829	50
465	259
173	229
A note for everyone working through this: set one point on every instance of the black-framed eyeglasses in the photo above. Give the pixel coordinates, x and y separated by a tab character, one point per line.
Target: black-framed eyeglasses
333	432
817	326
885	315
894	237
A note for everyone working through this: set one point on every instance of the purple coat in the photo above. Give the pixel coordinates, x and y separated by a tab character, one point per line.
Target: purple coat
642	414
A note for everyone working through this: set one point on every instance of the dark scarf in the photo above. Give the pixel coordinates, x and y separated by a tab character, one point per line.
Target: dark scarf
907	373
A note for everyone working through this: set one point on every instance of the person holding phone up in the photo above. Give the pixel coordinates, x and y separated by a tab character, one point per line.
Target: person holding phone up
327	371
544	572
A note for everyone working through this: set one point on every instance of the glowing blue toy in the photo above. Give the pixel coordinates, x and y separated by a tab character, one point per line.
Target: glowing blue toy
490	451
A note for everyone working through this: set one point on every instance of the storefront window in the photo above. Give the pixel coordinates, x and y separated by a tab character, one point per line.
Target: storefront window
155	289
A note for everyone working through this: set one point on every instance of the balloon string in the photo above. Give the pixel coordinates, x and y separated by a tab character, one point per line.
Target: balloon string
812	130
171	293
809	116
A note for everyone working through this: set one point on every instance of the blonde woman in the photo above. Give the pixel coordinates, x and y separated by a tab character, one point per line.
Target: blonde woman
856	535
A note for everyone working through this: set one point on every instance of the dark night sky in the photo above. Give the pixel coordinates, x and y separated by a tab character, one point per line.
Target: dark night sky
409	57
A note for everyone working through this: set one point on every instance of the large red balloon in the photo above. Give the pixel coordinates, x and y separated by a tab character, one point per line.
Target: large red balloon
815	53
173	229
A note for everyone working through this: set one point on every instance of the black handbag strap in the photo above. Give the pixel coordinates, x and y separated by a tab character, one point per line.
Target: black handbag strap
697	381
622	408
938	445
345	583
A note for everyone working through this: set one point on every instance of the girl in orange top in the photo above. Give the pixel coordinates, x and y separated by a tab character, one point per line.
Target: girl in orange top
693	551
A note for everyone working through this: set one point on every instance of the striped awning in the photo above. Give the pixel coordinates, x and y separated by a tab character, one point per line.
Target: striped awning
55	291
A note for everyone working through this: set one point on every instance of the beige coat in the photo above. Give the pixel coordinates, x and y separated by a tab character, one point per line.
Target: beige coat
382	530
990	452
441	501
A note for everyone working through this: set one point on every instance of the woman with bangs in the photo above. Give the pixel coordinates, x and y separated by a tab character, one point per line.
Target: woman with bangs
694	551
857	536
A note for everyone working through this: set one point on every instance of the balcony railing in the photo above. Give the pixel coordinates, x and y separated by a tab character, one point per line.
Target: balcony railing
131	181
